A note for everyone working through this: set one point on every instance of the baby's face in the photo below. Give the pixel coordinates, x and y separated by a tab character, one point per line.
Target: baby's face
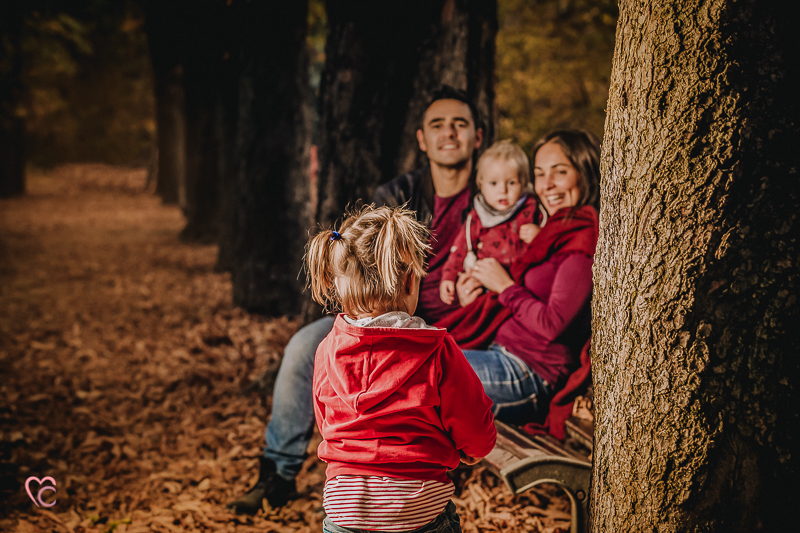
500	184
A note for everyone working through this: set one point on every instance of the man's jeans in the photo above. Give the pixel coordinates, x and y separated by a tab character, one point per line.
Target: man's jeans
446	522
519	394
292	424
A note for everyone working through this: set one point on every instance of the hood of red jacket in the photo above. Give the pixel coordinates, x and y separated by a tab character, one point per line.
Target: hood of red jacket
366	365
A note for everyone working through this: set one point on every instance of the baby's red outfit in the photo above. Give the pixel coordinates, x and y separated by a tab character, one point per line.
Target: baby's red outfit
500	241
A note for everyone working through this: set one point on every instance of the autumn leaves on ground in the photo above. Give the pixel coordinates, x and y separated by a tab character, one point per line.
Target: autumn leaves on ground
123	364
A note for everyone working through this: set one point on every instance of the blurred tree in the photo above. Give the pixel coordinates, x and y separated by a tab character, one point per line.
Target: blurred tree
203	43
382	61
268	208
553	66
12	154
164	27
87	83
695	362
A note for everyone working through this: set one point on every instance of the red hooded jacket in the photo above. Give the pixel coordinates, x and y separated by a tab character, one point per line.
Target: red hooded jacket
397	402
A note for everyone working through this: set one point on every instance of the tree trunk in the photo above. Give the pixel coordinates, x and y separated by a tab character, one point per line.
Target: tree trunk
383	60
269	194
696	276
202	62
171	125
162	25
12	128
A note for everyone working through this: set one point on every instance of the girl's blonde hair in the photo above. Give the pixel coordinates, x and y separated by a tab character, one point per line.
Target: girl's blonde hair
371	255
509	152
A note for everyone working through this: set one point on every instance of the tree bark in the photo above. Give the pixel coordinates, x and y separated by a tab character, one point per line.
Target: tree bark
171	138
269	193
696	275
162	25
383	61
202	63
12	127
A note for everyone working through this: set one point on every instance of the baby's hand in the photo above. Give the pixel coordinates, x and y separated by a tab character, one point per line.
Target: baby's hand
528	231
447	290
466	459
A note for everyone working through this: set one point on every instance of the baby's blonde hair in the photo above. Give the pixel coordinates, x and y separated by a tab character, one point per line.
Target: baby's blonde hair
371	255
506	151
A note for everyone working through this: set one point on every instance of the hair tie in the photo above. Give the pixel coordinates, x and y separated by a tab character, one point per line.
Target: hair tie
336	235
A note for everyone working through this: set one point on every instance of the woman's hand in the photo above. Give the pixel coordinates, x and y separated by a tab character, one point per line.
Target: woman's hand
468	289
492	275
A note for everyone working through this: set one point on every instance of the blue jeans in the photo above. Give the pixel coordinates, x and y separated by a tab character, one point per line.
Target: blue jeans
292	423
519	394
446	522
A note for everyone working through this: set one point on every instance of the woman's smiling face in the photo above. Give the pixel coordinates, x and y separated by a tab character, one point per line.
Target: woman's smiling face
557	182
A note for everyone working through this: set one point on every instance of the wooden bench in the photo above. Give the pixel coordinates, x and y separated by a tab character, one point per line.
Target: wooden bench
523	461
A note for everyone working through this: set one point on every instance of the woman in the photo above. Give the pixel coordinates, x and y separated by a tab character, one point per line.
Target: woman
548	292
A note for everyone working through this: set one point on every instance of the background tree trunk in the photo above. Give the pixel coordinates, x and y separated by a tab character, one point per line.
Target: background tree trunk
202	62
165	41
270	210
12	128
461	53
696	275
383	60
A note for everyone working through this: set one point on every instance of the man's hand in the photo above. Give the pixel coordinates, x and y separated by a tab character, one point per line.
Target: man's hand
447	291
527	232
468	289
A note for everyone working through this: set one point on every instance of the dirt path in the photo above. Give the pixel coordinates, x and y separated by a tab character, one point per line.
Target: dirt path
123	360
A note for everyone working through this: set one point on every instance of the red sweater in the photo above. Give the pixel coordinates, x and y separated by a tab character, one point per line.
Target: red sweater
398	403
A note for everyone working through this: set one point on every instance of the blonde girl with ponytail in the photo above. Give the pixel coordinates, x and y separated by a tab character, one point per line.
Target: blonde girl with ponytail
395	399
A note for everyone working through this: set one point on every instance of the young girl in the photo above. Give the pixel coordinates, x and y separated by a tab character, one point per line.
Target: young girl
395	400
502	221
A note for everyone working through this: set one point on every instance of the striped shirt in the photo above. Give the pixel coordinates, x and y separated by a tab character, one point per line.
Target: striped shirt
384	503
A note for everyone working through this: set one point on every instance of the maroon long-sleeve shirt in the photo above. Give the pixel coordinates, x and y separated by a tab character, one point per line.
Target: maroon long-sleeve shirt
551	316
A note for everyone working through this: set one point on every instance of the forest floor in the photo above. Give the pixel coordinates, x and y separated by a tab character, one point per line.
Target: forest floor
123	363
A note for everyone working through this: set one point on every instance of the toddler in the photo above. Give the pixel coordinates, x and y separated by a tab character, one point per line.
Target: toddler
396	401
501	223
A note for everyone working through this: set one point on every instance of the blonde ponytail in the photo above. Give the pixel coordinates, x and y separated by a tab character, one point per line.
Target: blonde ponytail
363	266
318	268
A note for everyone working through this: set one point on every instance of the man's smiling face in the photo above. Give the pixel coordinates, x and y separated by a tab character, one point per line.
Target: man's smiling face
448	134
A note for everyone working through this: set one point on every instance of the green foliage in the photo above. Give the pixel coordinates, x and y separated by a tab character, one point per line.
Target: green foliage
553	66
87	84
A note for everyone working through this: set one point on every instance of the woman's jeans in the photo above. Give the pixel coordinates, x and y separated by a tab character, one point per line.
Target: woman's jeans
519	394
292	423
446	522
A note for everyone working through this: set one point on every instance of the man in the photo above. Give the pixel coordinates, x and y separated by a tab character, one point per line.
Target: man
439	193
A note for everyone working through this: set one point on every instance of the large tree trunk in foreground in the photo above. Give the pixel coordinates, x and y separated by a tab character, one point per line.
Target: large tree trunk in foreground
269	193
383	60
696	274
12	128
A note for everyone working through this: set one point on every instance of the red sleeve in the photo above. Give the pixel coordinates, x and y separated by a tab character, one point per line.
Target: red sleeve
466	411
455	259
572	288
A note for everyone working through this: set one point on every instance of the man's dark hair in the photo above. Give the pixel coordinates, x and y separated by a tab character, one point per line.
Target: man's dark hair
447	92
